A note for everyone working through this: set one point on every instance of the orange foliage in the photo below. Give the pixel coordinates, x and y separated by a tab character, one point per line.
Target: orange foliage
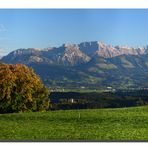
21	89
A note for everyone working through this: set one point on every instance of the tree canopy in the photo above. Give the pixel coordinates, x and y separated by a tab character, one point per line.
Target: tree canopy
21	89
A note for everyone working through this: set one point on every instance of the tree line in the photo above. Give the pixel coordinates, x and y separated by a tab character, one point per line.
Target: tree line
94	100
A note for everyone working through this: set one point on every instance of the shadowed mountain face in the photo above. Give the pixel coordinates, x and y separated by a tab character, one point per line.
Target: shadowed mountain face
88	64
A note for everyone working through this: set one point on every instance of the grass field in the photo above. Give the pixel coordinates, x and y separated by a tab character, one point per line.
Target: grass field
95	124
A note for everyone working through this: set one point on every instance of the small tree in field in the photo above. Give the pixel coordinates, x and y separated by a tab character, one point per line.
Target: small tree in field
21	90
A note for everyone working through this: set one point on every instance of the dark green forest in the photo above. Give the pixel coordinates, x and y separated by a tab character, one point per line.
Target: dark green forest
92	100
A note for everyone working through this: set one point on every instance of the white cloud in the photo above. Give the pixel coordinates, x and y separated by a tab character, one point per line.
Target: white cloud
2	28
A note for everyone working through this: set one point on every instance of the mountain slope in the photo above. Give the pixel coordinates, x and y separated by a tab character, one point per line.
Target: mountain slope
88	64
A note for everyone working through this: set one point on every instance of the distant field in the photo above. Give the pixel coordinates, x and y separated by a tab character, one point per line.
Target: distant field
96	124
80	90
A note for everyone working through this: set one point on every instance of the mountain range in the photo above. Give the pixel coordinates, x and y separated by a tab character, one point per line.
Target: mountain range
88	64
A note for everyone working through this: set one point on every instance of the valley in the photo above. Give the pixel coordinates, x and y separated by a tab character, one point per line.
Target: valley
73	75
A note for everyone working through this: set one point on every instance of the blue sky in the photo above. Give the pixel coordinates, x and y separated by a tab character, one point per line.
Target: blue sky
39	28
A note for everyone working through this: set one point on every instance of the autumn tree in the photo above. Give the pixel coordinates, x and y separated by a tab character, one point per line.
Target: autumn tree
21	89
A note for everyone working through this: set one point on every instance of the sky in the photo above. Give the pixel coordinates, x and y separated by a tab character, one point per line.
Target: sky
41	28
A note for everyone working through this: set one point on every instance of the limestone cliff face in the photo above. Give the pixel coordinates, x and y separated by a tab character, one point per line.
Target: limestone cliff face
72	54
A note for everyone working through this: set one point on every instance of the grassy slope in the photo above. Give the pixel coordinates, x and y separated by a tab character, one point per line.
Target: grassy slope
95	124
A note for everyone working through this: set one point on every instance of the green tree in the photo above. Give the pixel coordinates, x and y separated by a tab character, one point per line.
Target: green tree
21	89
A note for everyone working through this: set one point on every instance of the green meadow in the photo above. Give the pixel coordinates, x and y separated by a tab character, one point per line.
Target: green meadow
74	125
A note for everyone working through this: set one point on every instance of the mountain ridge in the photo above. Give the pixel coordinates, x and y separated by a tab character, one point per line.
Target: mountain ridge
74	54
88	64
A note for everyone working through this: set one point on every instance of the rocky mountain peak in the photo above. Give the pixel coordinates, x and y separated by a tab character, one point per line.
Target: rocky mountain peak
89	48
73	54
101	44
106	51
